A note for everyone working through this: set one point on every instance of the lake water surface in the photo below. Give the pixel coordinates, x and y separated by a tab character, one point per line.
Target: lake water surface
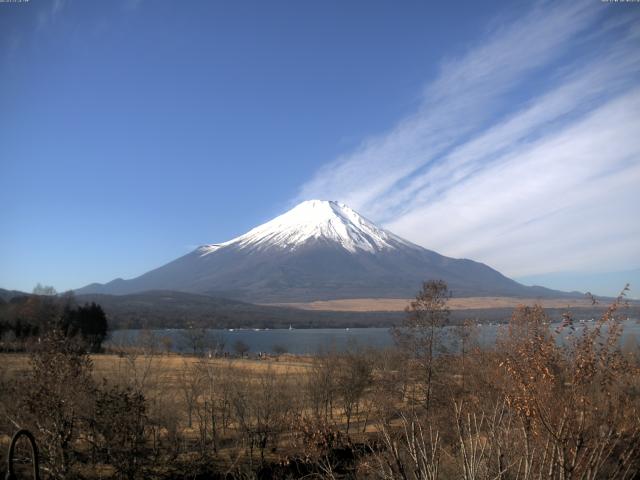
309	341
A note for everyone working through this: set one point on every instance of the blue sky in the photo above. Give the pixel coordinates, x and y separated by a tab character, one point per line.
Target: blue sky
132	131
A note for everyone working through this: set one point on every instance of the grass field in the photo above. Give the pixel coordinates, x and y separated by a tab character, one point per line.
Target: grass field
169	383
166	367
469	303
166	379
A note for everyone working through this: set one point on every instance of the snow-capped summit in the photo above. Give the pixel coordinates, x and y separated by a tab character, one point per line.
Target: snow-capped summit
317	220
318	250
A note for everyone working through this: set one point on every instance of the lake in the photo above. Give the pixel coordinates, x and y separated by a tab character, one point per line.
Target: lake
309	341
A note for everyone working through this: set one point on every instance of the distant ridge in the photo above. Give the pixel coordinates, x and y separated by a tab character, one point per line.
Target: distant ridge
319	250
6	295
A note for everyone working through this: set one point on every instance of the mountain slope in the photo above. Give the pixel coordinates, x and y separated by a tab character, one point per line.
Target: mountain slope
7	295
319	250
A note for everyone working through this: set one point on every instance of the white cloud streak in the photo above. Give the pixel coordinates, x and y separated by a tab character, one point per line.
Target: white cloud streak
564	202
543	186
48	14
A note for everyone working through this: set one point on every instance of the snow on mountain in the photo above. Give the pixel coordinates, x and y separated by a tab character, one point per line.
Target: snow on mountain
314	220
318	250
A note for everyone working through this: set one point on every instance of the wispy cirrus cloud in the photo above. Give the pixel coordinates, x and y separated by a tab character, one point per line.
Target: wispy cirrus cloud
48	13
565	201
538	184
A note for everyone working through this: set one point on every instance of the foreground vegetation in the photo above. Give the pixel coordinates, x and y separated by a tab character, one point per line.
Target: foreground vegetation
528	409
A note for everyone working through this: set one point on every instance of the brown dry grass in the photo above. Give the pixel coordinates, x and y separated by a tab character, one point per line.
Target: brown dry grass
161	377
167	368
399	304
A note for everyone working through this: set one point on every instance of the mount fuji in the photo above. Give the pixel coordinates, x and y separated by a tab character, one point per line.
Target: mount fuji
319	250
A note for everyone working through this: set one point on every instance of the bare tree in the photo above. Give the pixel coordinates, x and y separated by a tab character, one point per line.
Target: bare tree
279	349
412	452
190	385
167	343
137	359
47	290
321	384
213	404
421	331
196	339
353	379
240	347
262	409
467	338
216	343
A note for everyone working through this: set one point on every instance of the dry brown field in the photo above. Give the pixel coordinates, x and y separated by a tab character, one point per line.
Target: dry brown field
469	303
164	379
166	367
